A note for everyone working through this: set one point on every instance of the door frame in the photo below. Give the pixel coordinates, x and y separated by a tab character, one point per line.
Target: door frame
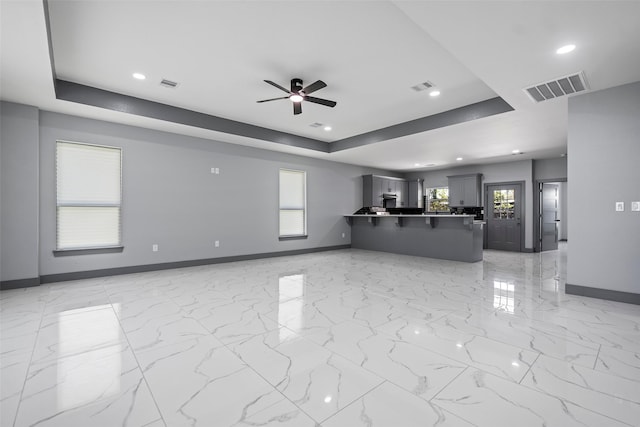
537	208
523	212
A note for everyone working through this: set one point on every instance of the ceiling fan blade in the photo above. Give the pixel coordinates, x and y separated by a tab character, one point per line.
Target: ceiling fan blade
314	87
297	108
278	86
320	101
273	99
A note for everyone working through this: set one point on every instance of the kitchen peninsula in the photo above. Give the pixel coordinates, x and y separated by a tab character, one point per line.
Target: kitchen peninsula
450	237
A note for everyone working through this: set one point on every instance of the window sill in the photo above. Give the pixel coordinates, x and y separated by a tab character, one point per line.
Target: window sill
282	238
87	251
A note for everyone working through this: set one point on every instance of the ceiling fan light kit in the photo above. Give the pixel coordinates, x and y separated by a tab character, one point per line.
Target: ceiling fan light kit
298	93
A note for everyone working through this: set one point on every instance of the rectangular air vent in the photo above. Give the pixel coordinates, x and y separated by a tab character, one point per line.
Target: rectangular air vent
315	125
422	86
562	86
168	83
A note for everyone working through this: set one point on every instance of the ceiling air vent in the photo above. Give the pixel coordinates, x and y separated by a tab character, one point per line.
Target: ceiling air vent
168	83
559	87
422	86
316	125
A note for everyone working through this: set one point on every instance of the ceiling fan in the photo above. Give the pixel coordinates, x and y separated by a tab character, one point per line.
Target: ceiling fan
297	94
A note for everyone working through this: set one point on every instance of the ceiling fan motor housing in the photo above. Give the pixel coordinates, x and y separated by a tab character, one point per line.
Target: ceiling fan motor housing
296	85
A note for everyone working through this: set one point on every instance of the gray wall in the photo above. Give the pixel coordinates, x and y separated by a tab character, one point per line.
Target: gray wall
492	173
170	197
18	192
604	151
546	169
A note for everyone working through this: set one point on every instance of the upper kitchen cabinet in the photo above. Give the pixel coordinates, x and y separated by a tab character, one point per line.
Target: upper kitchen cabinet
414	198
374	186
464	190
402	191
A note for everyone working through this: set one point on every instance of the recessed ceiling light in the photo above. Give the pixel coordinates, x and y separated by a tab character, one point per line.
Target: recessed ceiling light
327	128
565	49
139	76
515	152
434	93
458	158
416	165
296	98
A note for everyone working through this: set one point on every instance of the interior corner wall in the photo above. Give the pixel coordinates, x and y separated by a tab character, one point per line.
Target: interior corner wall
604	151
171	198
19	192
521	170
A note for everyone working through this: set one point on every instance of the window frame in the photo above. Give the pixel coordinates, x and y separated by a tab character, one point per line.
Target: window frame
304	234
93	249
429	199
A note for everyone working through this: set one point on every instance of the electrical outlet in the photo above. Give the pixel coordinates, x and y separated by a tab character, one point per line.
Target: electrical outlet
619	206
343	235
635	206
217	171
154	248
217	243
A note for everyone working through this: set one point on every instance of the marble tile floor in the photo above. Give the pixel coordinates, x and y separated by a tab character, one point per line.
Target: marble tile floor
334	339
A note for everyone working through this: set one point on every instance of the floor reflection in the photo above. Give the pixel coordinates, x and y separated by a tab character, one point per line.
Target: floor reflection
90	350
504	296
291	292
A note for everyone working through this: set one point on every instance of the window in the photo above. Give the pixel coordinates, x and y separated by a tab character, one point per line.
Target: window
504	202
293	203
438	199
88	196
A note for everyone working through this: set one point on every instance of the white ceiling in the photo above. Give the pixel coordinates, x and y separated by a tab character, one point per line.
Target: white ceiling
369	53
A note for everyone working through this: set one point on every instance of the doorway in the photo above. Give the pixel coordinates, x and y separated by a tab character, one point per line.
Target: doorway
550	208
549	218
505	216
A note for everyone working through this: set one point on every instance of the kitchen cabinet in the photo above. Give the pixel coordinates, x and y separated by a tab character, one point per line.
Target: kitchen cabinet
414	196
372	189
464	190
373	186
402	190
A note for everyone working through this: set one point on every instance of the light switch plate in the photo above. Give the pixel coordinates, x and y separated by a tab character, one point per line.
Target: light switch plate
619	206
635	206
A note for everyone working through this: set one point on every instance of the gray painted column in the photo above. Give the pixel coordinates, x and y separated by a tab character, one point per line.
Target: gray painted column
604	252
19	194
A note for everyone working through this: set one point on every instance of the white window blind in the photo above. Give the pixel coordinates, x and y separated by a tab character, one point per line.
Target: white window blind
293	203
89	195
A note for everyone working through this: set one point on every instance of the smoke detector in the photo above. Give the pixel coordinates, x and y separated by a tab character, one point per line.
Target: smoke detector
557	88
